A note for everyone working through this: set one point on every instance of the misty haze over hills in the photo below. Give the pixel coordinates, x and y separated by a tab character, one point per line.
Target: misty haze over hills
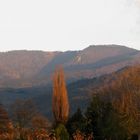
28	74
34	68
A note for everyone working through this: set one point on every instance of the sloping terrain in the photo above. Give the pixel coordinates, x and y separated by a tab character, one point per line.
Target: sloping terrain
27	74
35	68
79	92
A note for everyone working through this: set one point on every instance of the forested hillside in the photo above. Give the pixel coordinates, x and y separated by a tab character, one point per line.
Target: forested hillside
105	107
34	68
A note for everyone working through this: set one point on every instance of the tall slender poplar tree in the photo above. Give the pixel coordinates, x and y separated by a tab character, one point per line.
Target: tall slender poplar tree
60	104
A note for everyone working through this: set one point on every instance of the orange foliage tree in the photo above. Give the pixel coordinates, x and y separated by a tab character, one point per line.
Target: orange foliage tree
124	93
128	88
60	104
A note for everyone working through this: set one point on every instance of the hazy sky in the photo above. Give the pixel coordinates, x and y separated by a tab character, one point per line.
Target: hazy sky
68	24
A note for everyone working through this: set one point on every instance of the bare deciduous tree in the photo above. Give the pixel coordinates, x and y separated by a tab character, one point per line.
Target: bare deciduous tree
22	112
127	90
40	122
4	120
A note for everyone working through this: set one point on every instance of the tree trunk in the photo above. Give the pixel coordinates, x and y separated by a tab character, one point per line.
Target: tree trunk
138	136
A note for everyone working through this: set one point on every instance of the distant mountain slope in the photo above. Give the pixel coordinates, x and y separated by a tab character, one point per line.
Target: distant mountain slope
35	68
18	68
79	92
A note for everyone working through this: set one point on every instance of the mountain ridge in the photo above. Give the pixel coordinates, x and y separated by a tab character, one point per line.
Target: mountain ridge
23	68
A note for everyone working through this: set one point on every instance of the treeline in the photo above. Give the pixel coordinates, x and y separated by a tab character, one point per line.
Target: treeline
113	113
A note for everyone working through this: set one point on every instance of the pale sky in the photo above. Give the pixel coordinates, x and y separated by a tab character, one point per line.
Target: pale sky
68	24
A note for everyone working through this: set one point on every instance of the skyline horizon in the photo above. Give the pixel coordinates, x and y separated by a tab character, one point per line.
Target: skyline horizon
68	25
107	45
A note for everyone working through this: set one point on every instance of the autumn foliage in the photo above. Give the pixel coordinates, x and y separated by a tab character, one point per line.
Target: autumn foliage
113	113
60	104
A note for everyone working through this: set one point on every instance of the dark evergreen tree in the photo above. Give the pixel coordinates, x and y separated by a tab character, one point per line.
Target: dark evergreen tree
76	122
103	121
61	132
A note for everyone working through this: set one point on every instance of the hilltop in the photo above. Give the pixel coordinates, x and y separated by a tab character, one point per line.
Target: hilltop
20	69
